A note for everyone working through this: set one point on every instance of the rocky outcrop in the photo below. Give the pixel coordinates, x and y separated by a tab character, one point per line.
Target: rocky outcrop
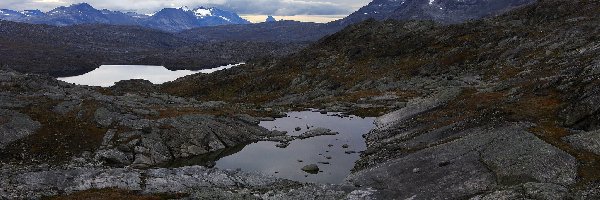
136	128
161	141
316	132
587	141
196	181
483	160
15	126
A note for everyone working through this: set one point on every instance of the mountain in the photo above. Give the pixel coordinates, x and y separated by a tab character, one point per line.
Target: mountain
168	19
11	15
172	19
33	13
270	19
215	16
443	11
178	19
505	107
70	15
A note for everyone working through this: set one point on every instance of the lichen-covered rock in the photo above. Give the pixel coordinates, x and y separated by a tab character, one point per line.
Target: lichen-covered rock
588	141
15	126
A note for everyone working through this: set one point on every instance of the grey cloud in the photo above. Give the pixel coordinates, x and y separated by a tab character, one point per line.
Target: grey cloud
249	7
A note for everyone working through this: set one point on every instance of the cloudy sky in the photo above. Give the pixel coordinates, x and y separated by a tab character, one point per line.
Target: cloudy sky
254	10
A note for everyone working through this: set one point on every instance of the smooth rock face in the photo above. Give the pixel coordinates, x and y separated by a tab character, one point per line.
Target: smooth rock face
481	161
588	141
415	107
15	126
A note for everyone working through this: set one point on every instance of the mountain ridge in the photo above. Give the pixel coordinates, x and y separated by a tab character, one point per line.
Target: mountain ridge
167	19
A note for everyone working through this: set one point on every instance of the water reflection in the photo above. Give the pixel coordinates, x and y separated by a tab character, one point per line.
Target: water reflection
335	162
108	75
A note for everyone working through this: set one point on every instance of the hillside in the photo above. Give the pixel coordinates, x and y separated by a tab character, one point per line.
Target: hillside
504	107
279	31
70	50
442	11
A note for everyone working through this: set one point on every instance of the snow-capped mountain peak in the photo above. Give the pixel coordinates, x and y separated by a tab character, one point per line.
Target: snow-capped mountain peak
168	19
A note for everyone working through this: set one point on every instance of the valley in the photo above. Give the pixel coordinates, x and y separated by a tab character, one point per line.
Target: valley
418	99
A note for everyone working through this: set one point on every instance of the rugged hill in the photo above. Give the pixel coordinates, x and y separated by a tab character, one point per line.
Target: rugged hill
505	107
71	50
443	11
168	19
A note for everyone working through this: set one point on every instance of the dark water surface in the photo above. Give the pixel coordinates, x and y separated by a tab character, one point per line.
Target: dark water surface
266	158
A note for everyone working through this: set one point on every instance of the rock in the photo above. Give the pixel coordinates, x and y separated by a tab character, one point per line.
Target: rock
213	104
588	141
196	181
133	86
475	163
248	119
114	157
67	106
298	129
530	190
316	132
15	126
345	146
104	117
417	106
350	152
312	168
283	144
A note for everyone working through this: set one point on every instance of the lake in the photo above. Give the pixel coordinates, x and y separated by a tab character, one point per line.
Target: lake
266	158
108	75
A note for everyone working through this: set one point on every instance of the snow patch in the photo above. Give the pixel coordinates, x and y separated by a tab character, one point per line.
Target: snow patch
225	18
201	12
185	8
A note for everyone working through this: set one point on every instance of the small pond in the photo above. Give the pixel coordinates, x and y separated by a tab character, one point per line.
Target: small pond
108	75
334	161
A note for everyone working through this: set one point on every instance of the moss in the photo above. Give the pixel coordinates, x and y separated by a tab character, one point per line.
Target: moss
101	194
60	138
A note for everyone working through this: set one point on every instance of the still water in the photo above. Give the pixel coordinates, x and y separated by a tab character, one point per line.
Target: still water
108	75
266	158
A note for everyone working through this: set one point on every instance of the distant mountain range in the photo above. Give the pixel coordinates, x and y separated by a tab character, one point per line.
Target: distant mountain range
441	11
167	19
